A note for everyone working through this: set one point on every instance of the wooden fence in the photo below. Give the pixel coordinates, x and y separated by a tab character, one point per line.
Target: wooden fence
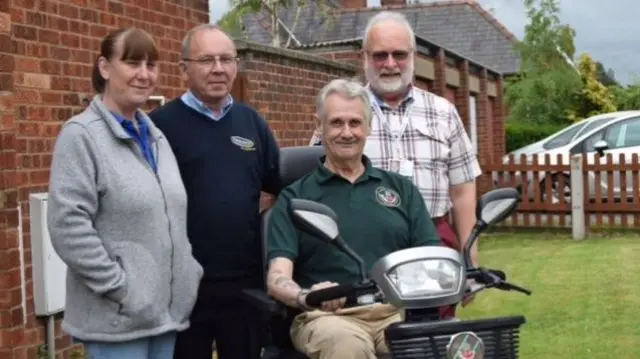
579	192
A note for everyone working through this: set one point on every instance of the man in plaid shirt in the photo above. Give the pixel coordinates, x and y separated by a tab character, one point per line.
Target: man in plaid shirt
417	133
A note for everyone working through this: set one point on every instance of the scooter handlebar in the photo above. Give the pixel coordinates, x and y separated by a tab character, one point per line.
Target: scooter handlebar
317	297
492	278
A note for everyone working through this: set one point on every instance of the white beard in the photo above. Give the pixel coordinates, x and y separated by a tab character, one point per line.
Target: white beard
389	87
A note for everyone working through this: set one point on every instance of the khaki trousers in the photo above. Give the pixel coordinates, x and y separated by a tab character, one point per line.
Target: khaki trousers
351	333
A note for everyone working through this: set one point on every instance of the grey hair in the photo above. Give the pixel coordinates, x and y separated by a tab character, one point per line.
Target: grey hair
388	16
185	48
346	88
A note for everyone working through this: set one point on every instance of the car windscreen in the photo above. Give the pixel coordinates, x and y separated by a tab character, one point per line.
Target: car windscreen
564	137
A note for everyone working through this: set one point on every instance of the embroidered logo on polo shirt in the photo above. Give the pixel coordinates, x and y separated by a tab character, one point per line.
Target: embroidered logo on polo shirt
244	143
387	197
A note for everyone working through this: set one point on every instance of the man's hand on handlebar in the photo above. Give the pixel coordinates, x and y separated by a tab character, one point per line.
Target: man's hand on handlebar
330	305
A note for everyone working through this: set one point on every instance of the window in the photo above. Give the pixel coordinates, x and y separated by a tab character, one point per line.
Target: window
572	133
563	138
620	135
591	141
593	124
624	134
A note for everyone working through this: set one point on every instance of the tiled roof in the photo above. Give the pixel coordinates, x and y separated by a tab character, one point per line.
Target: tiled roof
461	26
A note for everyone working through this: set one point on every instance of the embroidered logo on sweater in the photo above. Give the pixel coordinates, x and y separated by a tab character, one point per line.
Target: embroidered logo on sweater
244	143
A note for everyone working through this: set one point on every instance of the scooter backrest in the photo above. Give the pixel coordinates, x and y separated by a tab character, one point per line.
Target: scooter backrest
296	162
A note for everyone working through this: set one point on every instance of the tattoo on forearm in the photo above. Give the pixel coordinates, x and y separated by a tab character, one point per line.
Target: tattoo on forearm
285	283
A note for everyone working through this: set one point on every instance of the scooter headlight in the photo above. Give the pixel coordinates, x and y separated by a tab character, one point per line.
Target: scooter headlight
426	278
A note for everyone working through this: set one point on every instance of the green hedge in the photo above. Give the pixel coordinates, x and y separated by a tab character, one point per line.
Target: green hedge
520	134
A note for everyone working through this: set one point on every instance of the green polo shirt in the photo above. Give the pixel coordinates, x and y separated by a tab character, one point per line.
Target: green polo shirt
382	212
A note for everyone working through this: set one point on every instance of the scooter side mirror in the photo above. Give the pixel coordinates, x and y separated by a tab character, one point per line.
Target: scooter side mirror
493	207
321	222
315	219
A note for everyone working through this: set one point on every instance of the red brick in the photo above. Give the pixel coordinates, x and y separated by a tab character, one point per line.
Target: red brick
6	44
48	36
7	63
36	18
89	15
25	4
68	11
25	64
10	279
6	82
17	16
59	23
25	32
70	40
107	19
48	7
30	80
98	4
24	96
7	122
115	7
5	22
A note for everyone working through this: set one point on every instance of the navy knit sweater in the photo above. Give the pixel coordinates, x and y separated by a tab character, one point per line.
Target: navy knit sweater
224	165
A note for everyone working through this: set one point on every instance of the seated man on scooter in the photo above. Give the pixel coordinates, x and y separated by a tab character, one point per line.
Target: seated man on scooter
379	212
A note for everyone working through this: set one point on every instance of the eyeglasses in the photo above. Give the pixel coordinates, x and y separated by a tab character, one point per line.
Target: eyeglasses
209	61
398	55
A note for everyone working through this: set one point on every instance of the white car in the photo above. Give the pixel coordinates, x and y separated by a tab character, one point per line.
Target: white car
615	133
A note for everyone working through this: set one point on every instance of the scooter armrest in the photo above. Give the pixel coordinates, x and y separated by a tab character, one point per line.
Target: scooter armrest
262	302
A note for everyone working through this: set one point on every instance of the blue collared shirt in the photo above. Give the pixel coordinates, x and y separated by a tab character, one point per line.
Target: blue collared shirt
142	137
192	101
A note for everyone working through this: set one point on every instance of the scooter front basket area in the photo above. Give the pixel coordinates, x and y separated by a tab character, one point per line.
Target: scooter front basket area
428	340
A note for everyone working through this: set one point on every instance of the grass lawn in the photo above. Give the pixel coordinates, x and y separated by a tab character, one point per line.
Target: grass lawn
586	295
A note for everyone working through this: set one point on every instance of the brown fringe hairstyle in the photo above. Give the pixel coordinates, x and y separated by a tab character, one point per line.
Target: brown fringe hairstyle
136	45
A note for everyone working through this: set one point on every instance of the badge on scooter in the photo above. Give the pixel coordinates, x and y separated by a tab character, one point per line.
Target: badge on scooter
465	345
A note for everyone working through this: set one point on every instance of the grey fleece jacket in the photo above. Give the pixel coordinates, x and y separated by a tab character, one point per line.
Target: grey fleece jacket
121	230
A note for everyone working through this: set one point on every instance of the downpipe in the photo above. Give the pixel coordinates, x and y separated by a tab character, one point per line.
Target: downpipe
51	337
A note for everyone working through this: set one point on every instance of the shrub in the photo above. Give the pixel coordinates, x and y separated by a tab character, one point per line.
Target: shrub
520	134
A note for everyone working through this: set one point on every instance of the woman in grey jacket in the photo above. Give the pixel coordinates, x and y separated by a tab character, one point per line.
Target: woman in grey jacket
117	214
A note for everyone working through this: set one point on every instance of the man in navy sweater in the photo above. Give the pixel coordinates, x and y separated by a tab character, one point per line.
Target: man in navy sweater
227	155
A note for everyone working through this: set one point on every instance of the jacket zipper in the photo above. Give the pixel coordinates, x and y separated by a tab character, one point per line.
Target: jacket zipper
166	210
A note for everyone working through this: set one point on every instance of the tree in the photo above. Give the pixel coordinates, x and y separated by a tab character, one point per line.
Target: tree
594	97
626	98
232	21
548	83
547	42
605	76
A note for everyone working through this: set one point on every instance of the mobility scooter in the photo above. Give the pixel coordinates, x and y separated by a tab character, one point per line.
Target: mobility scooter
417	280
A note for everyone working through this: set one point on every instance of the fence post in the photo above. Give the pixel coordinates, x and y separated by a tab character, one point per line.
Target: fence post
578	223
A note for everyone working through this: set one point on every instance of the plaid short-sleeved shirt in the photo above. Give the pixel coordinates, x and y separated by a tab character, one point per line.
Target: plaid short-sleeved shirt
434	139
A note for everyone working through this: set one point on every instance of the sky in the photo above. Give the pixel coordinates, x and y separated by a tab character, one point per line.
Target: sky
217	8
604	29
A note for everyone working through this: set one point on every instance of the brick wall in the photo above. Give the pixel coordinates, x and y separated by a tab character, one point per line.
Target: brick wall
282	86
47	49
